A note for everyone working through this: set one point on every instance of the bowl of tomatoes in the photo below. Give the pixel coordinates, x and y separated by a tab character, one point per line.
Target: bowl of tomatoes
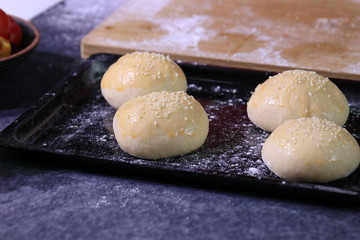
18	38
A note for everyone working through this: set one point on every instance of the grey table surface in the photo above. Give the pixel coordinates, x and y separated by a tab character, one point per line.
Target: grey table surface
40	200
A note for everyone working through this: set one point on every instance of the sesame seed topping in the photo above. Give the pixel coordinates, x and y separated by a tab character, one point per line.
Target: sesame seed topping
148	65
301	77
311	128
164	103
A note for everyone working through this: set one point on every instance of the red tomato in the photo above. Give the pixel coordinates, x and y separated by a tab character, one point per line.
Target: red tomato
15	35
9	29
4	25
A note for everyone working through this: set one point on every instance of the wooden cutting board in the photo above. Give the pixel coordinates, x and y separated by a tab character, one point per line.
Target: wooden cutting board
270	35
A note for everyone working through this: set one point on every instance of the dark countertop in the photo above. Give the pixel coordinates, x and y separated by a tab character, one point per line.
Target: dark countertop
43	200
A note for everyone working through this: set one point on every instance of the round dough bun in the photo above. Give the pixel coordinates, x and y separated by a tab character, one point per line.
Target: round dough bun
294	94
138	73
311	149
161	124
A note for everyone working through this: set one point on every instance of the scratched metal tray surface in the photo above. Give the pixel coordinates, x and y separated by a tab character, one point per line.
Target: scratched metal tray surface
74	121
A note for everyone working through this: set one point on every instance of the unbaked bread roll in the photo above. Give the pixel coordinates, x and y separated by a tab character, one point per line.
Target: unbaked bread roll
311	149
139	73
294	94
161	124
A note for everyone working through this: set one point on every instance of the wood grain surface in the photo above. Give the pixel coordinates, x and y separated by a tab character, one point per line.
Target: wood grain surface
270	35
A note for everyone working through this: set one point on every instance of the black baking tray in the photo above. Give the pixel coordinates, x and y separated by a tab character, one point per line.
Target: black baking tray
73	121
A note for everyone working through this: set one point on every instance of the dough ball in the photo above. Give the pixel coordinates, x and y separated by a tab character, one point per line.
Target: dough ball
161	124
139	73
294	94
311	149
